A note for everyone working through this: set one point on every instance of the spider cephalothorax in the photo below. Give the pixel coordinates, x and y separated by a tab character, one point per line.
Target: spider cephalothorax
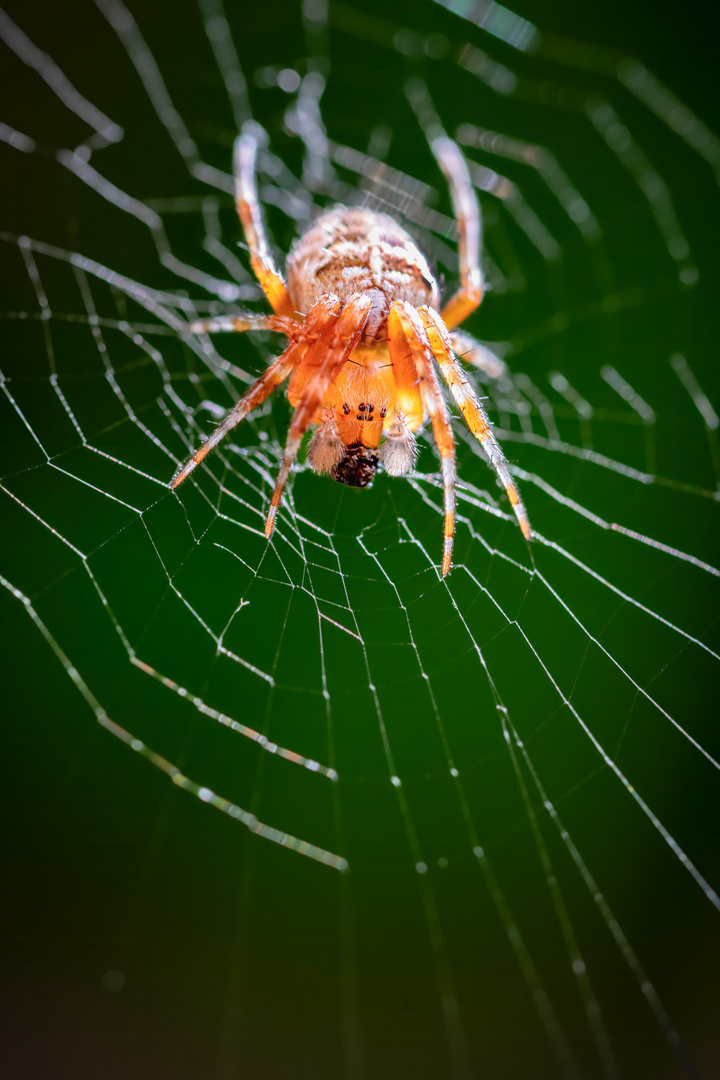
360	310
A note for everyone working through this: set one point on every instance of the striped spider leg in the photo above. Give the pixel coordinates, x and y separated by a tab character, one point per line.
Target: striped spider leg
412	360
471	408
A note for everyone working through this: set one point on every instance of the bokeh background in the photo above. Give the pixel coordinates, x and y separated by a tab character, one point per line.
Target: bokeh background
513	874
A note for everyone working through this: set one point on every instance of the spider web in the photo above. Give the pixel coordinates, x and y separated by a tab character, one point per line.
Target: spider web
502	784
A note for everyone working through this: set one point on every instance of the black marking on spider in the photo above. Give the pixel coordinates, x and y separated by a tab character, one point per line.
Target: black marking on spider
357	467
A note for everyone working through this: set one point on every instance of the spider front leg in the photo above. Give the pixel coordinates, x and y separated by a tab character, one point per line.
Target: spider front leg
334	338
412	360
471	408
279	370
474	352
238	324
467	215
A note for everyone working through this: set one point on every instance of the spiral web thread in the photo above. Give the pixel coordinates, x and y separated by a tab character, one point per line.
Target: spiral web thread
529	202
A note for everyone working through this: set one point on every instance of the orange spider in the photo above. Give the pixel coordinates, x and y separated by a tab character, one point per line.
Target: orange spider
360	311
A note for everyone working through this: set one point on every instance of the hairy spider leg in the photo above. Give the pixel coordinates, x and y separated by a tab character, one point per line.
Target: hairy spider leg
471	408
279	370
407	338
466	348
333	338
248	208
247	321
467	214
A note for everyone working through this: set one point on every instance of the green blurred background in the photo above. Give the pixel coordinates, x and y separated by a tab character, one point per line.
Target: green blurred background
146	933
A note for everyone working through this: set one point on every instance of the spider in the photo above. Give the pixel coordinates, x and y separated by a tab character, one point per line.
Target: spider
361	311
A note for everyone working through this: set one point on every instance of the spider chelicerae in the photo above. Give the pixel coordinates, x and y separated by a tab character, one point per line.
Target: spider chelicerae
361	311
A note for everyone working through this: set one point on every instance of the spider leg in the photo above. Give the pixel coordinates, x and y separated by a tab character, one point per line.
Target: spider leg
271	378
473	352
471	408
337	336
268	381
408	341
467	214
246	321
248	208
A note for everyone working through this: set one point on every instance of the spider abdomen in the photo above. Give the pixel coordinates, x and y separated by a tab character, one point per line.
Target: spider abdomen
349	251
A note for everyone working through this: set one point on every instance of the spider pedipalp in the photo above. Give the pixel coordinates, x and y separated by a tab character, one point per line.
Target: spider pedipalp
399	451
